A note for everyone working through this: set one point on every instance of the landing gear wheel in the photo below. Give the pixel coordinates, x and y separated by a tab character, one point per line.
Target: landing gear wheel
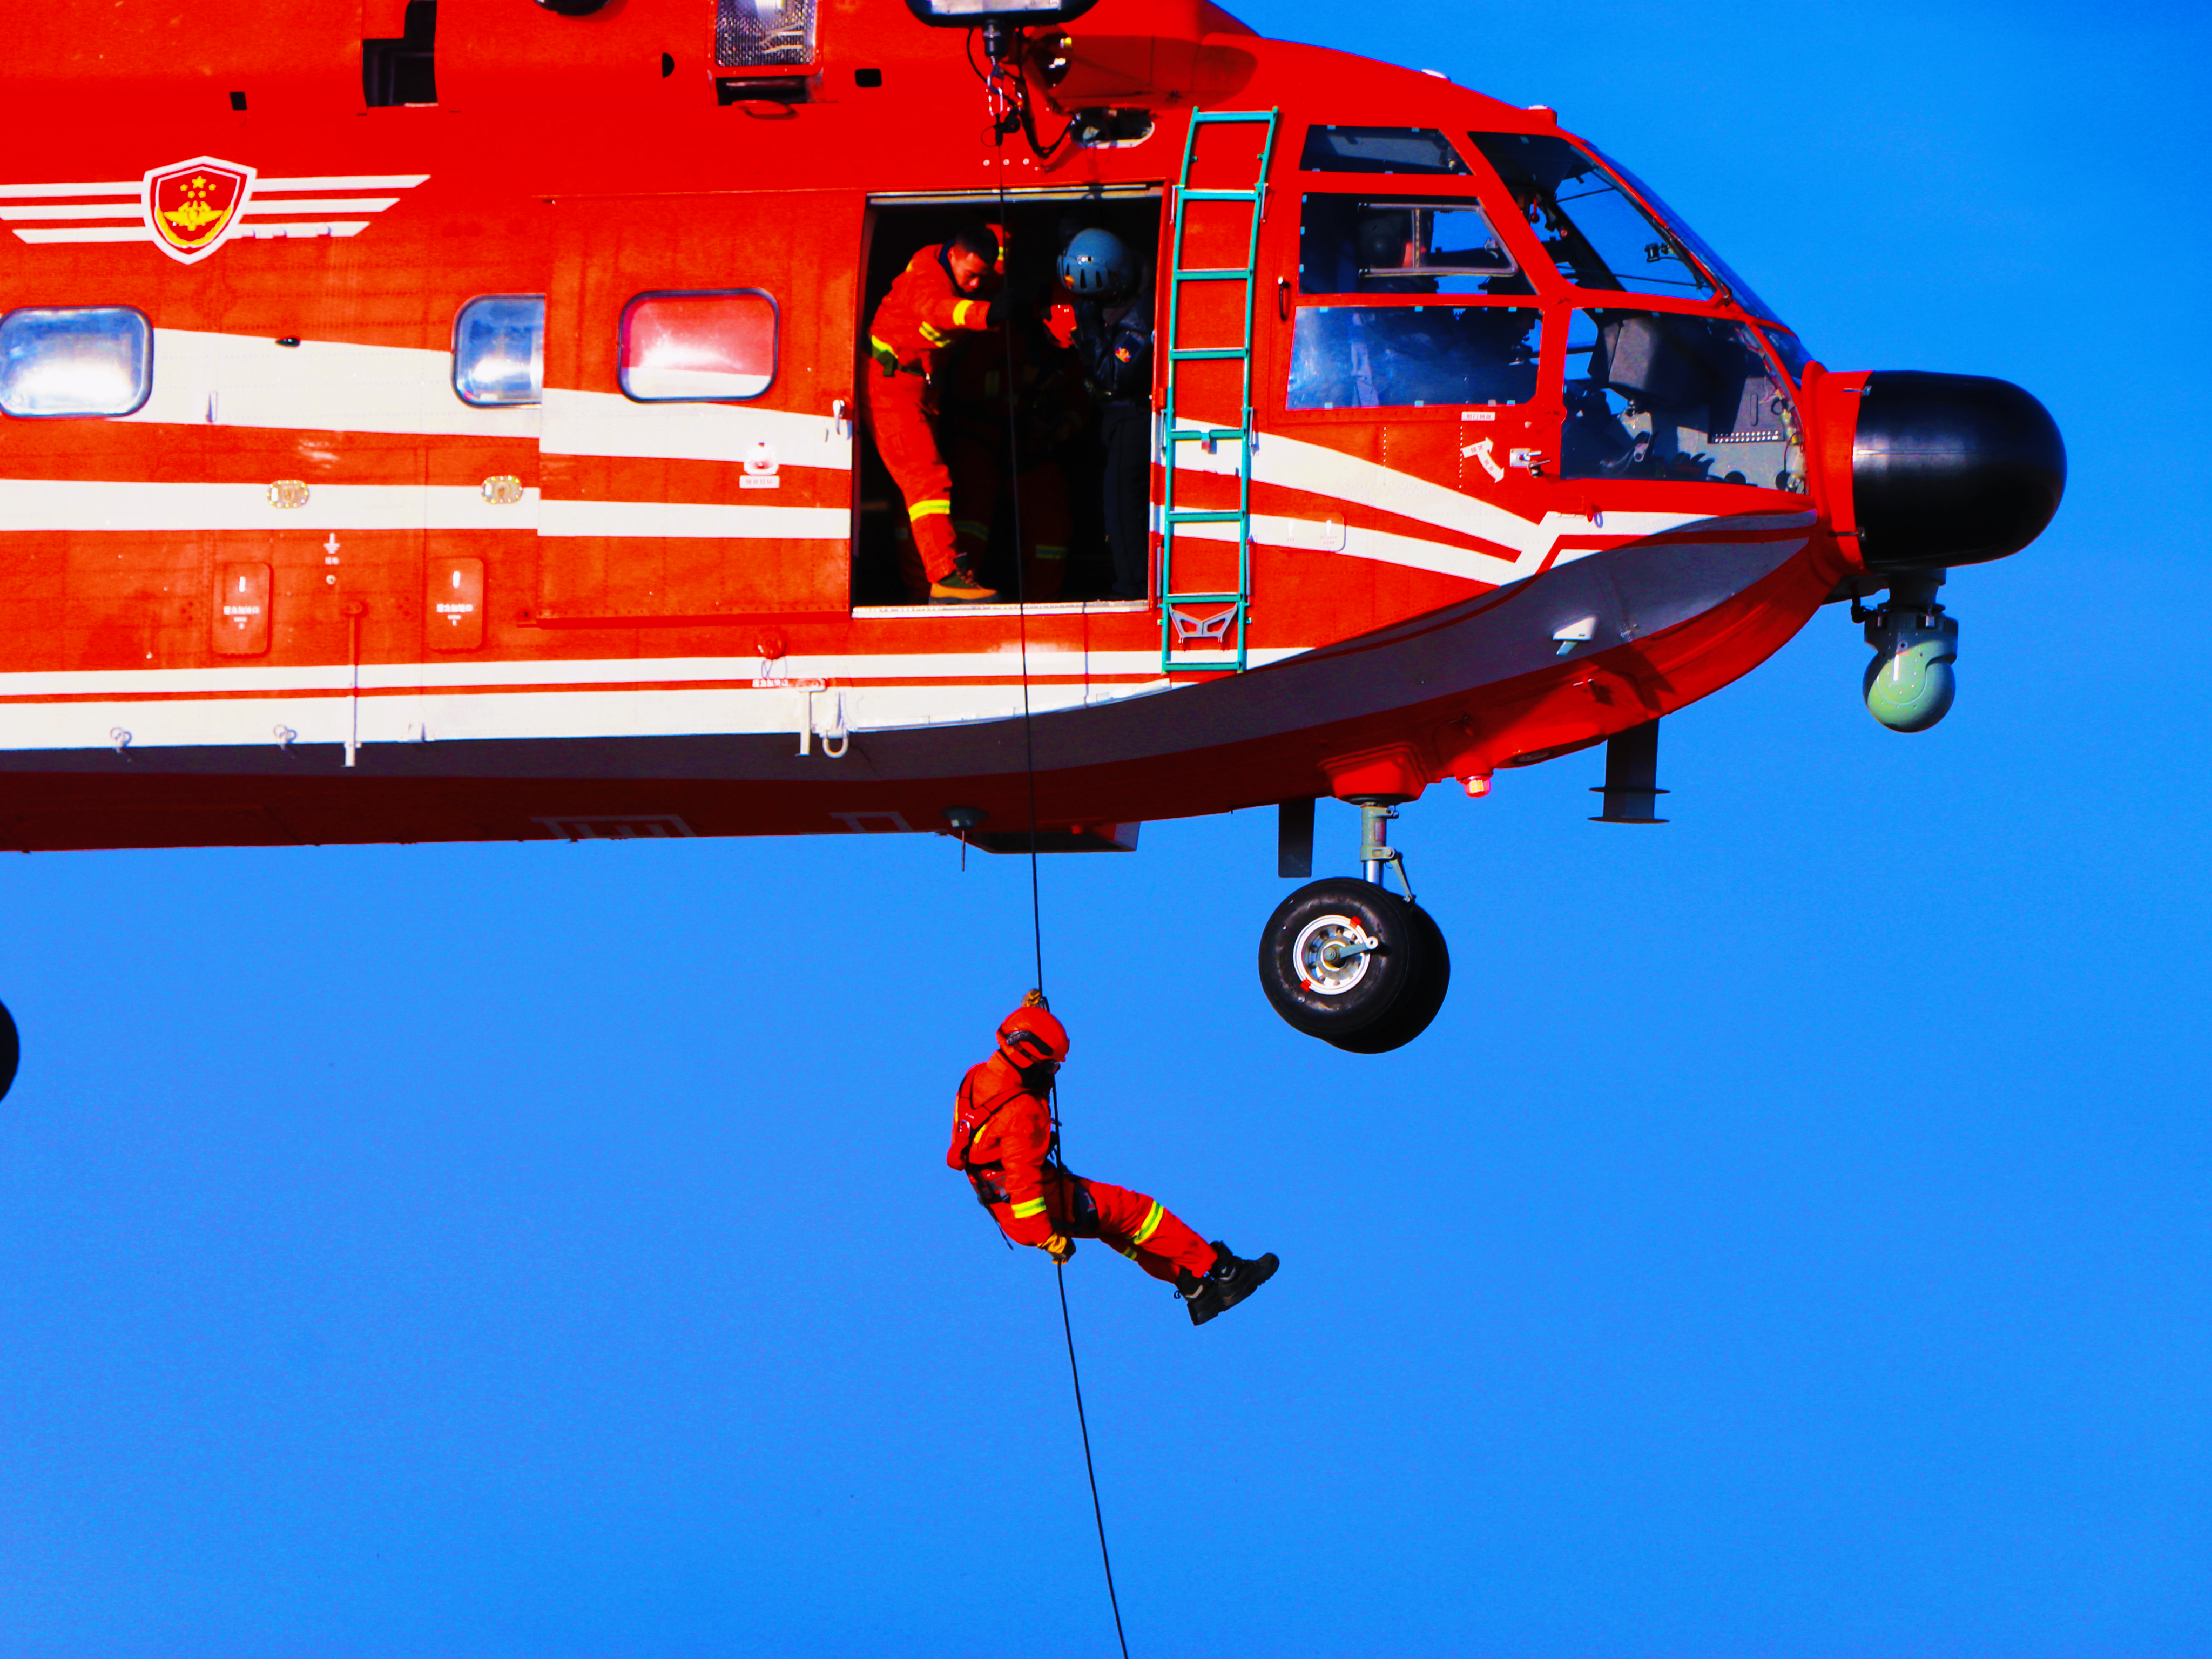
1420	1001
1338	956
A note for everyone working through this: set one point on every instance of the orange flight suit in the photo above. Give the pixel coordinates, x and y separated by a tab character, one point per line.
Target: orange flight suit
1008	1159
911	328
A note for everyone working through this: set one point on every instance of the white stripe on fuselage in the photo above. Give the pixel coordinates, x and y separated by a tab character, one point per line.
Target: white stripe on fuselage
1293	463
431	716
203	379
257	680
52	504
694	519
206	377
136	187
608	423
47	504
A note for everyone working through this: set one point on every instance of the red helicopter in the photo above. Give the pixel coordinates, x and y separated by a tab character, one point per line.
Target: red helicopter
435	420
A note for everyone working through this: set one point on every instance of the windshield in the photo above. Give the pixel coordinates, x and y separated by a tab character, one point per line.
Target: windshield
1594	232
1739	289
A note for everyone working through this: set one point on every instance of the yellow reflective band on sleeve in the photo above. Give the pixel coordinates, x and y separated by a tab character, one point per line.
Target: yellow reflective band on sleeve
1030	1207
885	356
1152	1225
1129	1250
962	309
935	335
941	508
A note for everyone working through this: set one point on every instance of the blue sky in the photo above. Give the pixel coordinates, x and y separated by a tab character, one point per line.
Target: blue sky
1790	1240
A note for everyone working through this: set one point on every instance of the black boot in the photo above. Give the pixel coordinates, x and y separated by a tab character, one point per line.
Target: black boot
1228	1283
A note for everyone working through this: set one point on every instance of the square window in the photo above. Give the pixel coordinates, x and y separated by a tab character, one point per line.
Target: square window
698	348
84	360
499	350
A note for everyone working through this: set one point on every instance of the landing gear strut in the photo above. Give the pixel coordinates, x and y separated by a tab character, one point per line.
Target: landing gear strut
1348	961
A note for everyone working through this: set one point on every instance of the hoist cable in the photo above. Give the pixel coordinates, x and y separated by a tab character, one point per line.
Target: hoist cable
1096	1513
1013	486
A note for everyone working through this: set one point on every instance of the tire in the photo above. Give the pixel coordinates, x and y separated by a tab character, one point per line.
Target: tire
1420	1002
1349	997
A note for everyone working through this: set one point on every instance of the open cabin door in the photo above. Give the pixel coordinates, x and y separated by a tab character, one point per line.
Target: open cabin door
697	448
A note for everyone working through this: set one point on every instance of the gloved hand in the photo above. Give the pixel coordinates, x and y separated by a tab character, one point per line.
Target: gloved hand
997	311
1058	1246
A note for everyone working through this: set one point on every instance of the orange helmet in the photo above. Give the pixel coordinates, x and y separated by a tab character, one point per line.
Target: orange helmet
1030	1036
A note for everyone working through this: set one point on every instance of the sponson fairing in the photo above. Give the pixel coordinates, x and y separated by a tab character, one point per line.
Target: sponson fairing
1508	490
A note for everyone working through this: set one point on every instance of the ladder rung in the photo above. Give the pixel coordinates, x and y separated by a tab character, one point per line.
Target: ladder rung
1215	118
1199	434
1199	598
1221	196
1207	354
1179	515
1226	274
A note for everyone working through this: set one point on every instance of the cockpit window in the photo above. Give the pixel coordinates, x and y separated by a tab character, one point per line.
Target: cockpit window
1594	230
1379	149
1738	290
1411	356
1656	394
1362	245
1791	350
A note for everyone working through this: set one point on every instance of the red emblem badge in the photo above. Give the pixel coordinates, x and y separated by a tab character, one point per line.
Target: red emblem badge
193	206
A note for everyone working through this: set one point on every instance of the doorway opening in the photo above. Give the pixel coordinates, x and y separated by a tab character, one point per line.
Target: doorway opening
1060	495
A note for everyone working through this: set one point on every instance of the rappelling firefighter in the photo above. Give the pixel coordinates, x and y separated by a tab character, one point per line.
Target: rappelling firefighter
1004	1142
945	289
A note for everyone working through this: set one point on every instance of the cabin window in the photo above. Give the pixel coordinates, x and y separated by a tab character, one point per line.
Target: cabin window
499	350
712	347
1363	244
1657	394
82	360
1379	149
1411	356
757	33
1594	231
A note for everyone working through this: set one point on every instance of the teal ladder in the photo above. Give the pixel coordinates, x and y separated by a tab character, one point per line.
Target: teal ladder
1174	603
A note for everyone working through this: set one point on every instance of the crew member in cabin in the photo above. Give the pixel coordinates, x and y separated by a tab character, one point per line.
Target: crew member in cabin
945	289
1003	1140
1112	338
983	431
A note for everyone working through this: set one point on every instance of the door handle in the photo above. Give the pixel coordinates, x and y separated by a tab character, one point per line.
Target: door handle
1283	298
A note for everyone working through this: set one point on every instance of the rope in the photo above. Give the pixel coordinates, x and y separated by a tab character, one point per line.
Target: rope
1036	901
1097	1514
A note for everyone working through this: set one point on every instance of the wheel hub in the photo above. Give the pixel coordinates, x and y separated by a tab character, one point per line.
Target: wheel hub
1331	953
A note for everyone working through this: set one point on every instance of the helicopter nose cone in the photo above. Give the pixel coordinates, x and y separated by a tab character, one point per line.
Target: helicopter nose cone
1951	469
